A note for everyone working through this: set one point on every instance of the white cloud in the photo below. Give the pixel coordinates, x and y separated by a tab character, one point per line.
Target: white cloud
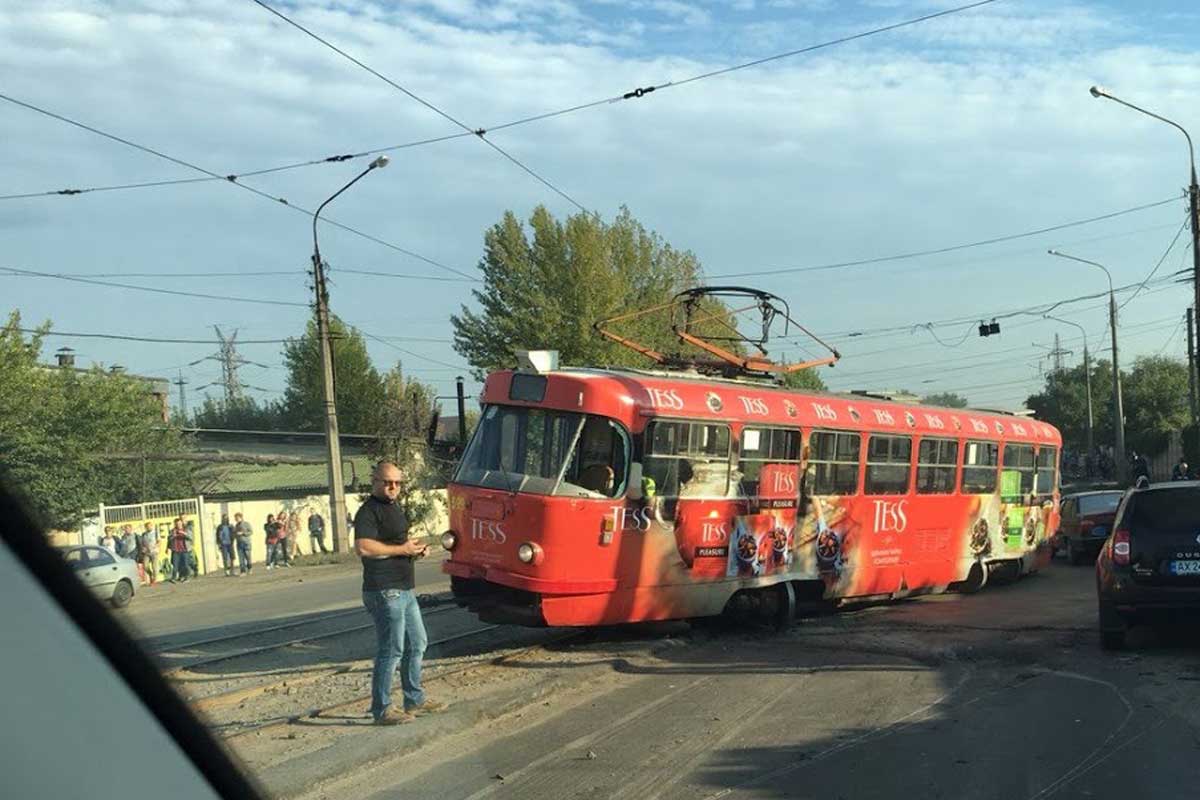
848	153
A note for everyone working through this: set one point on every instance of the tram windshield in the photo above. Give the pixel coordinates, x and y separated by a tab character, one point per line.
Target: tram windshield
546	452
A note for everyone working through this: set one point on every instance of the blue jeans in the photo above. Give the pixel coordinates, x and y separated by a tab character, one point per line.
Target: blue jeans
180	562
275	554
243	552
399	638
226	555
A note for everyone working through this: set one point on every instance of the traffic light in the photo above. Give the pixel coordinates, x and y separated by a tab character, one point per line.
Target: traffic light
989	328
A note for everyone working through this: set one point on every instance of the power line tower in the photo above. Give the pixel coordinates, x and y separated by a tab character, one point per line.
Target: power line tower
229	359
180	382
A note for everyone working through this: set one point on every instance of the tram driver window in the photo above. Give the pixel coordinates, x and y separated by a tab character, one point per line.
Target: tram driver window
774	452
937	463
980	460
686	459
832	463
598	462
1018	458
888	463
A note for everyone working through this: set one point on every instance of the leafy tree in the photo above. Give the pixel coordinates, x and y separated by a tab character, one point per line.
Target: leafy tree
243	414
546	292
62	430
401	434
1063	404
805	380
945	400
1155	396
358	387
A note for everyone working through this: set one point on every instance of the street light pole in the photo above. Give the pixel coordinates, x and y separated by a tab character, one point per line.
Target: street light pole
1118	405
1193	213
333	445
1087	376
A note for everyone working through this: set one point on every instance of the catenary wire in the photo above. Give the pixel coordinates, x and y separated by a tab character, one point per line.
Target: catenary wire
478	132
626	96
231	179
204	295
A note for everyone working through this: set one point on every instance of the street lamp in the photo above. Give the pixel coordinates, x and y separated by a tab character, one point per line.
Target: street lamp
333	445
1118	406
1087	375
1193	207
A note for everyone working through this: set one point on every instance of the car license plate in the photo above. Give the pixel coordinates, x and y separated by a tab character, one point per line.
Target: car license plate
1099	533
1185	567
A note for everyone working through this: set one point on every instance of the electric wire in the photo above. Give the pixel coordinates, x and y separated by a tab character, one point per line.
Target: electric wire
151	289
233	180
634	94
478	132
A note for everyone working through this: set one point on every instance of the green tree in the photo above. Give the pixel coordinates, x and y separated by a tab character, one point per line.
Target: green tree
1063	403
243	414
358	387
67	435
401	436
546	292
1155	396
805	380
945	400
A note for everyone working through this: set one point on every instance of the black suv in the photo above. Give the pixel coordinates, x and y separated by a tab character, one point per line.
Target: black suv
1150	564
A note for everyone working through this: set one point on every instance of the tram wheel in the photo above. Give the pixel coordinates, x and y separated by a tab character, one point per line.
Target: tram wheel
785	606
976	579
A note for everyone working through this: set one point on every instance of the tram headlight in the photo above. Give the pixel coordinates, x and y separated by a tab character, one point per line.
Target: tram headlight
449	540
529	553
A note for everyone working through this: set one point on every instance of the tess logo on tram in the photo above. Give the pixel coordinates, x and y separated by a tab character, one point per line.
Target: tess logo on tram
601	496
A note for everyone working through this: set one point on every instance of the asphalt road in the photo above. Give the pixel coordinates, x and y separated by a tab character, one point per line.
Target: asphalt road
215	604
1002	694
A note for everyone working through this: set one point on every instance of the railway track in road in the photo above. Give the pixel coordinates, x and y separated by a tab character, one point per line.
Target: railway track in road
355	705
174	667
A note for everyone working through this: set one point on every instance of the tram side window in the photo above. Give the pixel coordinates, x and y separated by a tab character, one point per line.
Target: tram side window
937	461
888	460
1019	470
832	463
687	459
773	452
980	460
1046	467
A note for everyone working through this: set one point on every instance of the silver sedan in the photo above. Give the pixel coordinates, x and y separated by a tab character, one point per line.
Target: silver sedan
111	577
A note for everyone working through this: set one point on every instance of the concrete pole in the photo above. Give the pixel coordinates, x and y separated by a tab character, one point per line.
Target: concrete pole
1191	364
333	444
1118	406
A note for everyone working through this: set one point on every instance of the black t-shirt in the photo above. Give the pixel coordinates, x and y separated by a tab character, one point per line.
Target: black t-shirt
386	522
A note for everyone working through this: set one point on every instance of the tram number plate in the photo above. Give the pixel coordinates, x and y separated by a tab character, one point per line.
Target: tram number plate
1185	567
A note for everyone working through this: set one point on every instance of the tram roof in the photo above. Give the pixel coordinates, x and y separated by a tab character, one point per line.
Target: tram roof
630	393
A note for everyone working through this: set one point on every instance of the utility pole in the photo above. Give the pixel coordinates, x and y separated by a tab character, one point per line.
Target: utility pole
1191	344
180	382
462	411
333	444
1118	405
337	485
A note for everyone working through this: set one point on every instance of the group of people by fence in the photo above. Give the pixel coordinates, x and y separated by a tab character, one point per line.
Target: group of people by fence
234	540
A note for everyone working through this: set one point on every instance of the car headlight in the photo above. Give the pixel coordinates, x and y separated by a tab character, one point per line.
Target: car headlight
449	540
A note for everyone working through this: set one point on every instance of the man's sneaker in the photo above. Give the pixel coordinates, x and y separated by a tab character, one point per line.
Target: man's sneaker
393	716
428	707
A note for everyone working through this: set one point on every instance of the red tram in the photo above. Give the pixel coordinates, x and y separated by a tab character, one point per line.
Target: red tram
594	496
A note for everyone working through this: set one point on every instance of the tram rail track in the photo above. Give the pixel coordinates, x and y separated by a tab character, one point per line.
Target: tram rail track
175	669
234	730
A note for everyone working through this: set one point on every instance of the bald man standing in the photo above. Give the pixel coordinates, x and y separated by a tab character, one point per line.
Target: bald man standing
388	555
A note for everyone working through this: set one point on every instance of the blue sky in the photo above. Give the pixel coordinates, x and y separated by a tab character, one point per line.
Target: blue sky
961	129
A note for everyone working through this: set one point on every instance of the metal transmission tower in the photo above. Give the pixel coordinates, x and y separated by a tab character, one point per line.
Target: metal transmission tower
227	356
180	382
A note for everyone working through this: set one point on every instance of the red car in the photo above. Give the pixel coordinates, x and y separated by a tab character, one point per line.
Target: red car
1085	522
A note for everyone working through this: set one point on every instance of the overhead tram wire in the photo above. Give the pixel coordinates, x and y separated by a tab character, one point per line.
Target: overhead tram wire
942	250
148	339
1163	258
479	133
231	179
154	290
626	96
406	351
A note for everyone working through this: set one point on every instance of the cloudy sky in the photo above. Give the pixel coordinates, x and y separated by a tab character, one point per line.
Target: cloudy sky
962	129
